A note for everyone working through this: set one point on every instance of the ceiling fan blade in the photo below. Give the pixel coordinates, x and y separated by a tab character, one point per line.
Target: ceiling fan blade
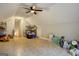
31	8
35	13
28	12
27	8
38	10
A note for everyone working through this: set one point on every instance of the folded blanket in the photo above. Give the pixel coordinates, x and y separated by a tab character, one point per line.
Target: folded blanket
2	33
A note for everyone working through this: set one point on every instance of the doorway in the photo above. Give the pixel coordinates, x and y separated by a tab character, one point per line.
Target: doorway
17	30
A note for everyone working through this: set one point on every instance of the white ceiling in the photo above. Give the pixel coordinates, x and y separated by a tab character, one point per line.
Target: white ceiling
10	9
7	10
59	13
53	13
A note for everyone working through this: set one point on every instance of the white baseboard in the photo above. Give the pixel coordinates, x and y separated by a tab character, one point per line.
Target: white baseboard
45	38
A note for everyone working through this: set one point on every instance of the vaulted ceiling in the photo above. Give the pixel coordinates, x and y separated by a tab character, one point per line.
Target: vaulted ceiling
59	13
15	9
7	10
53	13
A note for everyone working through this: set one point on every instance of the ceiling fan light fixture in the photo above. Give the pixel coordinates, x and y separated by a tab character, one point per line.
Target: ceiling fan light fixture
32	11
33	7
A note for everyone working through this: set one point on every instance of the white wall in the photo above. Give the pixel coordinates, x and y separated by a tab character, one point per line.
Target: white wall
66	29
61	19
10	25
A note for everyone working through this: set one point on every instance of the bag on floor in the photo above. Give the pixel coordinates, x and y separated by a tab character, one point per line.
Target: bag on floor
70	46
72	52
61	43
56	40
65	45
78	45
77	52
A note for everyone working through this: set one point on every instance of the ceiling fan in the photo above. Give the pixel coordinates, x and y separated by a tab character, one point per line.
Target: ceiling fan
33	9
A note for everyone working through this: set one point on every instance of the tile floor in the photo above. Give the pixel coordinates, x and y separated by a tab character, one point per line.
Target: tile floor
30	47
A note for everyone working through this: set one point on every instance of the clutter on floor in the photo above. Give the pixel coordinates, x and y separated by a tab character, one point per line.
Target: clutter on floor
72	46
56	39
3	35
31	31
